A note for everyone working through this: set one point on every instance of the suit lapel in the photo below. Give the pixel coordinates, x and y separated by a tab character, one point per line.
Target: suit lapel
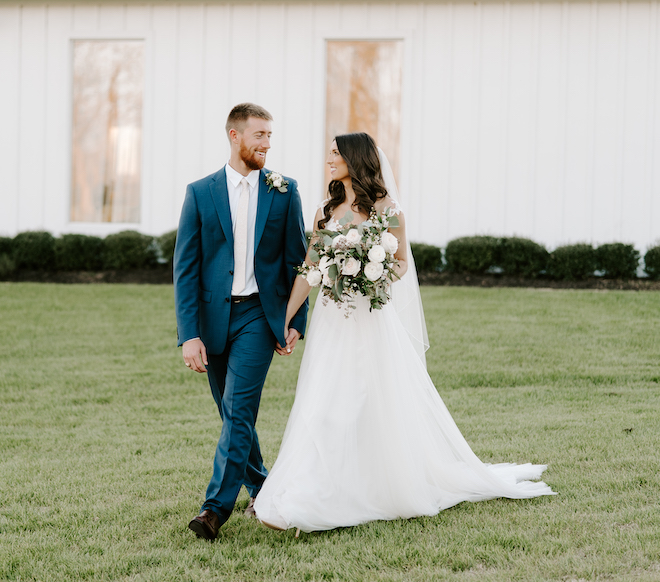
263	208
220	198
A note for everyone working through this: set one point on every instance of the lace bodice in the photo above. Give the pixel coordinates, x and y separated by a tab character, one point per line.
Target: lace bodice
333	224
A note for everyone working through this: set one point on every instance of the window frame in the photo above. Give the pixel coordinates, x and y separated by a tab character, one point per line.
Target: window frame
105	228
407	95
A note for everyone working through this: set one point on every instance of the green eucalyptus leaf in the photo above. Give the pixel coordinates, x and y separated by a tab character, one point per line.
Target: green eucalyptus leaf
346	218
394	221
314	256
333	271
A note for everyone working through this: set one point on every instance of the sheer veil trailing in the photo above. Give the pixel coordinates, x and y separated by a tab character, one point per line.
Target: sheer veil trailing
406	297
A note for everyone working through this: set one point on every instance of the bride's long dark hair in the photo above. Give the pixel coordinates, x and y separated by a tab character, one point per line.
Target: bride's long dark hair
360	153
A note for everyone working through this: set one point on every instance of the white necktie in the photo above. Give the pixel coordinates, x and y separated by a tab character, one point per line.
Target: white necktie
240	239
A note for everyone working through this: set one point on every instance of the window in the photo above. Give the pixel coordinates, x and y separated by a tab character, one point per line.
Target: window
108	78
364	92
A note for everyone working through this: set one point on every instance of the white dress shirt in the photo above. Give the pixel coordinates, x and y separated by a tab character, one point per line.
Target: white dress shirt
234	191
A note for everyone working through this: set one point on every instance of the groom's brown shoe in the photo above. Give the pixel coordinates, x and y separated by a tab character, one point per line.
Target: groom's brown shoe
205	525
249	510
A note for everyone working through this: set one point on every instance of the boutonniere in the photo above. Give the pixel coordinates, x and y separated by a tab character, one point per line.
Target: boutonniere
277	181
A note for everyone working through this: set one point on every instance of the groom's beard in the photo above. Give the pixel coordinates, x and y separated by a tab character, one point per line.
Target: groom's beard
250	158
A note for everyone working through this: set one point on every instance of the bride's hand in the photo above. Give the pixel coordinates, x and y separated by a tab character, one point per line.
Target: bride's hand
291	340
299	293
292	337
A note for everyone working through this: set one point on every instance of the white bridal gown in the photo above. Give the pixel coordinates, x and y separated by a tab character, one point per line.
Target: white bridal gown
369	438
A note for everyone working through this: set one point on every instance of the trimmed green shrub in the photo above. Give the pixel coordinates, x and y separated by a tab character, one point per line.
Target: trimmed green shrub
166	244
472	254
129	249
6	245
521	257
78	252
617	260
7	266
34	251
572	262
427	257
652	262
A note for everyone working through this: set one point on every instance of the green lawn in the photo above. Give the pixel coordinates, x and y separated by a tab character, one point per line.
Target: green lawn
106	442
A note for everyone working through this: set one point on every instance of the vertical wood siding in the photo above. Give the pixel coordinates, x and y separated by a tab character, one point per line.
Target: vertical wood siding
10	45
526	118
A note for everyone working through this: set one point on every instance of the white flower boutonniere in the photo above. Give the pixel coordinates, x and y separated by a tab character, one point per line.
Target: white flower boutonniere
277	181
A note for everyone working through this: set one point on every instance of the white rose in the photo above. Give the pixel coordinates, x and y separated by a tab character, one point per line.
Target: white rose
277	181
339	242
376	254
314	277
324	265
389	242
351	267
373	271
353	237
327	281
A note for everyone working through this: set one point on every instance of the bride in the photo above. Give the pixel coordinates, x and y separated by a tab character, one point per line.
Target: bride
368	437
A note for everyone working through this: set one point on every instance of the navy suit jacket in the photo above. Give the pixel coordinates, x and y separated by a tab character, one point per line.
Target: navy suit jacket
204	259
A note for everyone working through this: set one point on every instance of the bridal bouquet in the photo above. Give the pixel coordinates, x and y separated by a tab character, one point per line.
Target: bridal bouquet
354	260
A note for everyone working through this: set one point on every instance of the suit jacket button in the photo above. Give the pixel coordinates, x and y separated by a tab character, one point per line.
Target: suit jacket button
231	273
227	299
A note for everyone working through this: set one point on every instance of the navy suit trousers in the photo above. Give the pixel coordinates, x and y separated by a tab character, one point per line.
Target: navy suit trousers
237	377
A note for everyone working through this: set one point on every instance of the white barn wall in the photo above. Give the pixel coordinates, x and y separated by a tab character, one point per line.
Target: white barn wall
10	27
535	119
32	118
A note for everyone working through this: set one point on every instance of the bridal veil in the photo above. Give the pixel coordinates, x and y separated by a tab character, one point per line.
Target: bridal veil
406	298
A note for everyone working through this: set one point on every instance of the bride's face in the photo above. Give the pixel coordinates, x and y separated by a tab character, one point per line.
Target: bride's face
338	167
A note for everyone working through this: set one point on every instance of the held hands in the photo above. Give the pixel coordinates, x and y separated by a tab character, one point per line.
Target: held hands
194	355
292	337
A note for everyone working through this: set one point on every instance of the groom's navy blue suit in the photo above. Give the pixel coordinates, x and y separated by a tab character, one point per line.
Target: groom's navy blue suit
239	337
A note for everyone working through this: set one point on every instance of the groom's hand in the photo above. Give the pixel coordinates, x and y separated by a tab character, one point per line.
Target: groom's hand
291	339
194	355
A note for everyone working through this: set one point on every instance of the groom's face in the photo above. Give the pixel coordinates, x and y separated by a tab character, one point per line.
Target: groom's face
254	142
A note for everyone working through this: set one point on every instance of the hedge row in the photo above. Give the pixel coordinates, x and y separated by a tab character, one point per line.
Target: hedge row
41	251
36	250
525	258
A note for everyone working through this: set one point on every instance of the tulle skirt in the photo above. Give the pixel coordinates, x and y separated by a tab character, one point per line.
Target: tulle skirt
369	438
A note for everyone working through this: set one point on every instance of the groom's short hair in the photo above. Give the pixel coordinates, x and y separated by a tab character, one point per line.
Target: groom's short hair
238	116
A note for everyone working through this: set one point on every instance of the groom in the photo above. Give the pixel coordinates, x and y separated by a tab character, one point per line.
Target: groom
240	238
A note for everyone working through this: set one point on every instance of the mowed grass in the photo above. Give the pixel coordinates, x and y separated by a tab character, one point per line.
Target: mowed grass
106	443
